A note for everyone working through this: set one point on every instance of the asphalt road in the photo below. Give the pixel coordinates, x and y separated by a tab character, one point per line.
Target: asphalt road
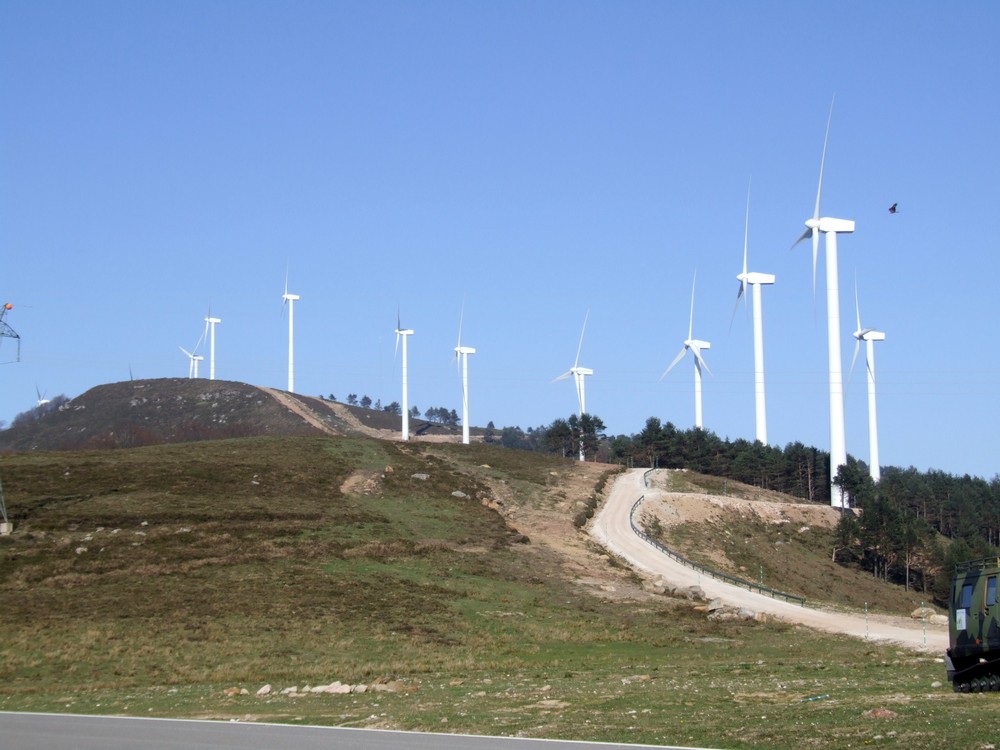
611	528
23	731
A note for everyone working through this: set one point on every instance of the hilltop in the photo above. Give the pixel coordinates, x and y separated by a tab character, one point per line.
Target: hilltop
171	410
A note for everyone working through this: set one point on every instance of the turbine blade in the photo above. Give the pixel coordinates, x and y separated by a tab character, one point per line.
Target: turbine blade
802	237
746	234
580	346
691	318
822	162
185	351
673	364
699	359
854	359
857	306
739	296
563	376
815	234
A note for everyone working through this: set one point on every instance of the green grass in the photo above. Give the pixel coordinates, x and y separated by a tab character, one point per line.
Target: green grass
240	563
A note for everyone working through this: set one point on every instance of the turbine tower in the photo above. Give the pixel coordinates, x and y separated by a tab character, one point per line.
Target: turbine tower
403	333
579	373
290	299
463	352
755	280
210	323
695	346
831	228
869	336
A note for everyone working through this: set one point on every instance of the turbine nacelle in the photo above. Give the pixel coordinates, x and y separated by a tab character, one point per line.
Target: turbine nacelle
869	334
464	350
836	226
755	278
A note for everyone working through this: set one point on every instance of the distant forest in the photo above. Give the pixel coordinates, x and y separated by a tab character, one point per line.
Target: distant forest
913	525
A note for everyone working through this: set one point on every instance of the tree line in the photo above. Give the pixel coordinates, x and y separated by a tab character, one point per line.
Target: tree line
912	526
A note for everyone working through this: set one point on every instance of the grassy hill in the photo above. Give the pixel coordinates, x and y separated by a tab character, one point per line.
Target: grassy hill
447	580
171	410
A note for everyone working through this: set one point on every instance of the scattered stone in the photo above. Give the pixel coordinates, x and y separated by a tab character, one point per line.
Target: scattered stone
421	477
459	494
389	469
937	619
936	684
485	466
80	550
231	691
804	529
266	690
714	605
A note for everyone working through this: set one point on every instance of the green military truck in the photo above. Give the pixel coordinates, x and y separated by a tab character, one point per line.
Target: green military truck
973	659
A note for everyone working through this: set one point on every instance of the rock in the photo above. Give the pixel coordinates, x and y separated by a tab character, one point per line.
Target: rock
294	690
937	619
714	605
458	493
266	690
936	684
421	477
388	470
695	593
359	689
80	550
921	612
231	691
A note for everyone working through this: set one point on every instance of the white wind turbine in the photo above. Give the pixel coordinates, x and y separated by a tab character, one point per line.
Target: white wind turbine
579	373
193	360
869	336
462	353
755	280
193	357
41	397
403	333
210	323
695	346
290	299
831	228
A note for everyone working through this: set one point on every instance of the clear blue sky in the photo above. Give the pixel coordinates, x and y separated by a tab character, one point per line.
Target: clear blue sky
536	159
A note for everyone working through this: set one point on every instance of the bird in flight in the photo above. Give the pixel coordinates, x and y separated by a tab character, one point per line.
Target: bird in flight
892	208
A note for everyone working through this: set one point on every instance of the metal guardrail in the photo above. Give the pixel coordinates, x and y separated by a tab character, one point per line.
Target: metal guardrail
717	574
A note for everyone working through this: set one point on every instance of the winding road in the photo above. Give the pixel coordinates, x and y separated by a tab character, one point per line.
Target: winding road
611	527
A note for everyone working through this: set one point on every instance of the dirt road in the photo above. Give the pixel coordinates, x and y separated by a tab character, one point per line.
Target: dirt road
612	529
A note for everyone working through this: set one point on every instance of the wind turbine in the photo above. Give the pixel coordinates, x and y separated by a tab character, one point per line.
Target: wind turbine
831	228
290	300
869	336
579	373
41	397
403	333
695	346
210	324
193	360
462	353
755	280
